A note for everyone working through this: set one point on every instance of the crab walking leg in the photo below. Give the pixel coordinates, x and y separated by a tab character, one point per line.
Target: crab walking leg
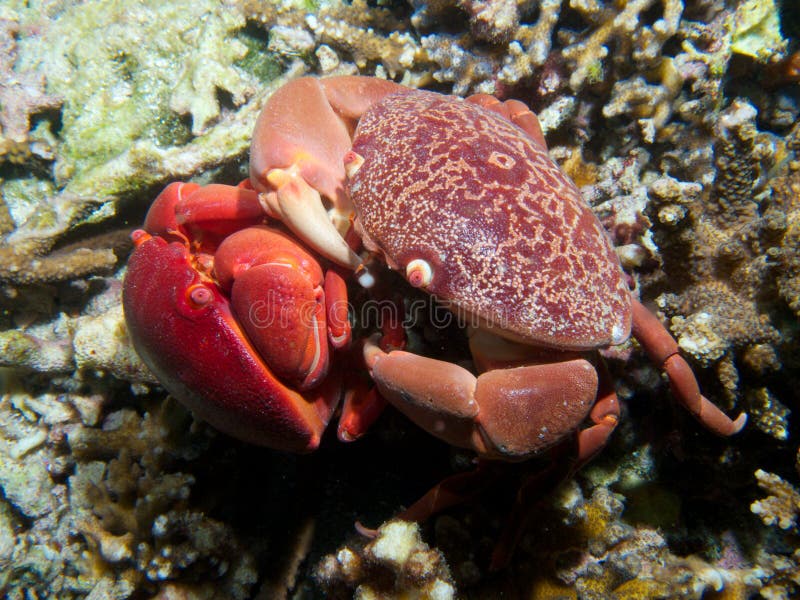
362	405
454	490
508	414
662	349
515	111
604	416
462	486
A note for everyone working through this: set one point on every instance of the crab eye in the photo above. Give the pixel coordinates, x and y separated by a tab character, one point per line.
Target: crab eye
198	296
419	273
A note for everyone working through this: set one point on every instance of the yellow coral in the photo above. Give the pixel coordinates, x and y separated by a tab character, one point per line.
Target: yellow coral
551	589
641	588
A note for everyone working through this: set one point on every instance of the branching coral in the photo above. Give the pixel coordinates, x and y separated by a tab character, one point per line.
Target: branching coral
729	234
110	499
342	31
786	219
396	52
782	506
768	413
39	216
582	547
95	342
33	260
587	55
636	561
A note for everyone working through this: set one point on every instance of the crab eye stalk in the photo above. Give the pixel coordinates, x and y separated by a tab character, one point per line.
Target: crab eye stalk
419	273
352	163
199	296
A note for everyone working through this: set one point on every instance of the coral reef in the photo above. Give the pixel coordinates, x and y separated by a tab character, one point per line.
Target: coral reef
593	542
104	492
96	341
676	118
780	508
122	84
396	564
731	234
786	197
92	501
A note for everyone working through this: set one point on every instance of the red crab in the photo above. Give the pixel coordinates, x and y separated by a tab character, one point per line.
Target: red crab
461	197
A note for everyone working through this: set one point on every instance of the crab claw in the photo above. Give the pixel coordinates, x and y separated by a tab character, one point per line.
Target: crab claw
296	156
300	207
206	214
277	294
183	328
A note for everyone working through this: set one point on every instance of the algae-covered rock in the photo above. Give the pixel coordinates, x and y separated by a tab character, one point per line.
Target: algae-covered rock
756	31
127	72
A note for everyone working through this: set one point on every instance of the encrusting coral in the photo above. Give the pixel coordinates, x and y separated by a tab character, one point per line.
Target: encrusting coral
101	156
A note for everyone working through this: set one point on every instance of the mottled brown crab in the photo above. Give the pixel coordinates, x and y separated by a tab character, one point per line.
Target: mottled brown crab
460	196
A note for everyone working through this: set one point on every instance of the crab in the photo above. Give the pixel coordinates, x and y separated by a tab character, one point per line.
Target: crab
461	197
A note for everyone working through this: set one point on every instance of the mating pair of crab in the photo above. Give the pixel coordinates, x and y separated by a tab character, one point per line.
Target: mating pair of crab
236	297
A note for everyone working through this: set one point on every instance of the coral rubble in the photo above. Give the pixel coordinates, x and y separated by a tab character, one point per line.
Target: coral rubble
396	564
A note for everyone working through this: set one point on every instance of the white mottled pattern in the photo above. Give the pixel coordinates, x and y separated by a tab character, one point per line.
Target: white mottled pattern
507	234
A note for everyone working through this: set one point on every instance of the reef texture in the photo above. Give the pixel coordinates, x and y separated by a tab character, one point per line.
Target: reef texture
676	118
396	564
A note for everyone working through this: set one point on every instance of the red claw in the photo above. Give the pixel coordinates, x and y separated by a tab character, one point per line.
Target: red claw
204	214
277	295
232	318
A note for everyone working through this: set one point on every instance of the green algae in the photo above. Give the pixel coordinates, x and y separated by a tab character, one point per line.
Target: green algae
263	67
143	72
23	198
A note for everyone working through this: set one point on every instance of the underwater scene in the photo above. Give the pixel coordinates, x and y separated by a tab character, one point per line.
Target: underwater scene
436	299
